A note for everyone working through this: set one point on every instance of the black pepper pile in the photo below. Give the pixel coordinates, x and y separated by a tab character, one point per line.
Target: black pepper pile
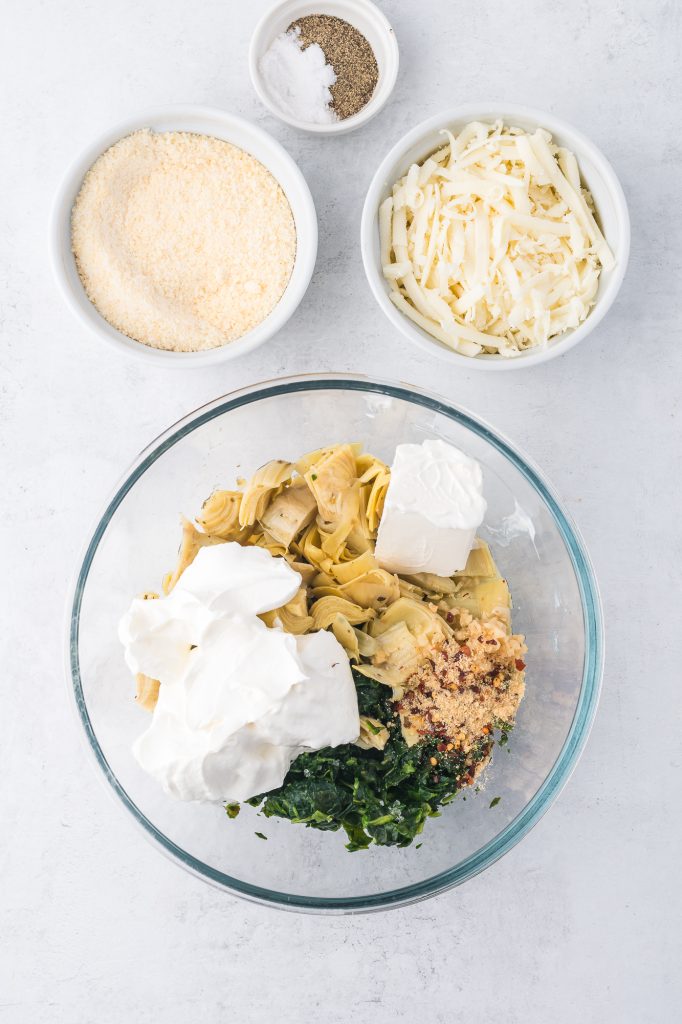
350	55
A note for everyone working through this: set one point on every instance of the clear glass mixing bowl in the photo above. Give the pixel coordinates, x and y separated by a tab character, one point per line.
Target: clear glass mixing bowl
556	605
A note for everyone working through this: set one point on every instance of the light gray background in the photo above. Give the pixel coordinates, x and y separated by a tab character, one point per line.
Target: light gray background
580	922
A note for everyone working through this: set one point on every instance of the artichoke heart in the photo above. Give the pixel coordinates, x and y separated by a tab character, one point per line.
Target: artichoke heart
332	481
346	572
334	541
374	589
293	617
396	656
290	512
219	516
403	634
421	619
325	610
373	734
480	562
262	539
306	571
261	488
431	584
192	541
347	637
484	599
375	501
309	546
369	466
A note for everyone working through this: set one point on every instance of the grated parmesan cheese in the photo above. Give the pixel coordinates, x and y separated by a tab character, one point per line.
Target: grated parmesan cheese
182	241
491	244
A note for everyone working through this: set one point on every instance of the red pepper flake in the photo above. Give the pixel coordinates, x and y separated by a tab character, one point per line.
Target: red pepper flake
520	665
465	649
441	747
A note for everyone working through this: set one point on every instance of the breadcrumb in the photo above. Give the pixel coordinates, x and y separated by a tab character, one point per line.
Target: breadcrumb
467	685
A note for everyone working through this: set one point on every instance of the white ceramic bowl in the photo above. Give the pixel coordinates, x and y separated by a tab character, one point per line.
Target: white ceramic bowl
366	18
205	121
597	175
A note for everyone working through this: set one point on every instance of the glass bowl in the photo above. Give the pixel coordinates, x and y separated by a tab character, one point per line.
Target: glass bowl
556	604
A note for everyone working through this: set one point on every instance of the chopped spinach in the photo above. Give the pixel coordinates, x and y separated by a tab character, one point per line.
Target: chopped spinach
374	699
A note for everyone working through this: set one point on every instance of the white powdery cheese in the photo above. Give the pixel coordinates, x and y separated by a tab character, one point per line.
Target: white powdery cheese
298	80
182	241
434	505
238	701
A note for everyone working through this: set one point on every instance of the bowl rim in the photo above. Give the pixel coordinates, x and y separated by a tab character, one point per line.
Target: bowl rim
485	111
571	749
90	317
376	103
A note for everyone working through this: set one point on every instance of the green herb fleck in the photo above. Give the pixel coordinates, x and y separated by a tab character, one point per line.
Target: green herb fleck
495	801
505	728
232	810
260	835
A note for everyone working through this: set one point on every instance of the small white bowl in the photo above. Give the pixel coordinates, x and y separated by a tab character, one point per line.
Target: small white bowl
363	16
220	125
596	173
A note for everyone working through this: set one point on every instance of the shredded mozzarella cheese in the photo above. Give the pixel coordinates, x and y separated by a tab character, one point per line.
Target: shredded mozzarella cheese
491	243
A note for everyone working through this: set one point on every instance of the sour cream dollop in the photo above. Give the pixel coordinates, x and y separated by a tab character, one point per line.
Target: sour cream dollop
238	701
434	505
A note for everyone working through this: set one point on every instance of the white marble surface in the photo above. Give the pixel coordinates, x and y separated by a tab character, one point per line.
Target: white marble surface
579	922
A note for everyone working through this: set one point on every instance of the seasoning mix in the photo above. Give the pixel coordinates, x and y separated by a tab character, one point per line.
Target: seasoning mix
321	70
349	54
467	687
